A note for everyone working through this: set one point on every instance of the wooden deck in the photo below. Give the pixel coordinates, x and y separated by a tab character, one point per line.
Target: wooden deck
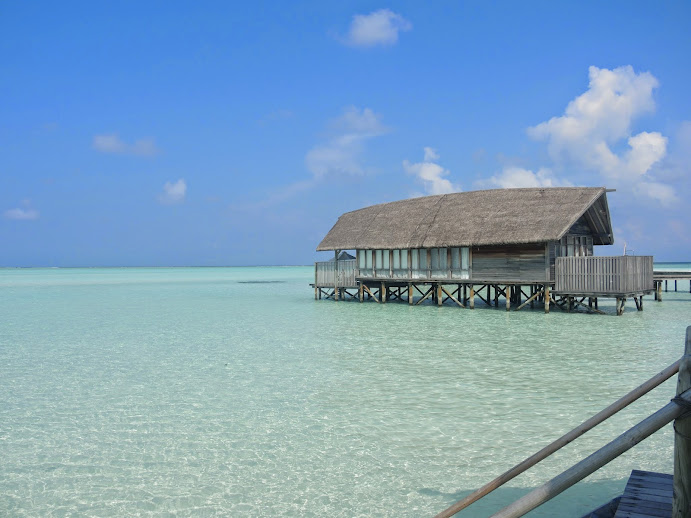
647	494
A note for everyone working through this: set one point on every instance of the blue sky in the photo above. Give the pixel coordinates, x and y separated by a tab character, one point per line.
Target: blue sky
220	133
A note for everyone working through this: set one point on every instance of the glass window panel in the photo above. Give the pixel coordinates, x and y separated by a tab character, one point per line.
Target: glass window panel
404	259
377	259
368	259
385	253
397	259
443	259
361	259
455	258
423	259
414	259
465	258
435	258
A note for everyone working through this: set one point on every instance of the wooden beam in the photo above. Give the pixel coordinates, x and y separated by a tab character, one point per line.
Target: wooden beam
508	299
548	298
472	296
366	288
452	297
429	292
410	293
530	300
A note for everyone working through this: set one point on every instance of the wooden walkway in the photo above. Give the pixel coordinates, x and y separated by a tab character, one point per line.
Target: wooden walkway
647	494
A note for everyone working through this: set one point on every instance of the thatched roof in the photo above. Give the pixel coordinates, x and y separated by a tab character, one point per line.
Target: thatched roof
492	217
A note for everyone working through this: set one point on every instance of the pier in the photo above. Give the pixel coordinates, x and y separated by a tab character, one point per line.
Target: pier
572	282
662	276
514	247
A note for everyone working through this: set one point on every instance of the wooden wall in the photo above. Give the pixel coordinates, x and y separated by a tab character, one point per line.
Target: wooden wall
509	263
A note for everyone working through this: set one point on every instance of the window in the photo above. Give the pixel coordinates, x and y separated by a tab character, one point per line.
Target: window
368	259
361	259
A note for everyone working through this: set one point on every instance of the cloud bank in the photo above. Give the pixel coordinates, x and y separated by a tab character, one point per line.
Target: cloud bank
592	131
342	154
113	144
431	174
173	192
377	28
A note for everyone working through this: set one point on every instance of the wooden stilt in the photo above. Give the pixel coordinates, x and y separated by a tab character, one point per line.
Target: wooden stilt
472	297
496	296
410	293
361	293
369	292
547	298
383	293
508	299
440	298
595	302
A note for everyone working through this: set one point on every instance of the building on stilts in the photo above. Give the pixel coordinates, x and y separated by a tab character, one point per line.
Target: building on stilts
512	247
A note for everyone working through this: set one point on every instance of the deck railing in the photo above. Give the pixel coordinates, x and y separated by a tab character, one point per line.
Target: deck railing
677	410
603	275
335	273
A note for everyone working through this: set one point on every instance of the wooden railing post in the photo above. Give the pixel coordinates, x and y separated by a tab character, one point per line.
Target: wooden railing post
682	441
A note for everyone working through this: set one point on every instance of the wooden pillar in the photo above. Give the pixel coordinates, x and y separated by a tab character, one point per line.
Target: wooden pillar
675	285
595	302
508	298
440	295
472	297
496	297
532	294
384	293
590	302
361	292
659	291
682	444
410	293
665	285
465	294
316	293
547	298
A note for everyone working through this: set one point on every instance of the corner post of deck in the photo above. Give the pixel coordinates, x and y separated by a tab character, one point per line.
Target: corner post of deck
384	293
472	296
316	293
508	297
410	293
440	297
682	444
361	292
547	298
336	252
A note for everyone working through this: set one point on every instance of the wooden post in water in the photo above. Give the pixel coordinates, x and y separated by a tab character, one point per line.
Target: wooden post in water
547	298
410	293
384	293
508	298
361	293
682	441
472	296
440	296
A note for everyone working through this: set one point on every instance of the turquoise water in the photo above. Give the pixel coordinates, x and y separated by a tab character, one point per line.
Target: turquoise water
232	392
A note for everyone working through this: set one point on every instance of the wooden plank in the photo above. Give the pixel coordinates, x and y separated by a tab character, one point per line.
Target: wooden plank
452	297
647	494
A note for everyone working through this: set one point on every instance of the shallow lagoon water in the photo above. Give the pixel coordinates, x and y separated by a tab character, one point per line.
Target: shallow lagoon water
232	392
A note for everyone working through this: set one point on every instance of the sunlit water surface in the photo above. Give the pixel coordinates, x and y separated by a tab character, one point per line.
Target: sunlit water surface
232	392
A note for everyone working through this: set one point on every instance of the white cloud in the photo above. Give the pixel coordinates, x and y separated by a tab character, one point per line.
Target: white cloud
431	174
113	144
515	177
342	153
22	214
598	121
661	192
173	192
27	213
377	28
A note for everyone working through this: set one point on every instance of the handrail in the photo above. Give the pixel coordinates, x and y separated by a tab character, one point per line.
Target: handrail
590	464
551	448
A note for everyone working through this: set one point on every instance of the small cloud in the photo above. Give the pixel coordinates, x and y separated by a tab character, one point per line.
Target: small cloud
377	28
516	177
342	154
113	144
22	214
431	174
173	192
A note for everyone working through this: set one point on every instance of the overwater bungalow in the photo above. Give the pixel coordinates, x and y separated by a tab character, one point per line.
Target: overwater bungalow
523	245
